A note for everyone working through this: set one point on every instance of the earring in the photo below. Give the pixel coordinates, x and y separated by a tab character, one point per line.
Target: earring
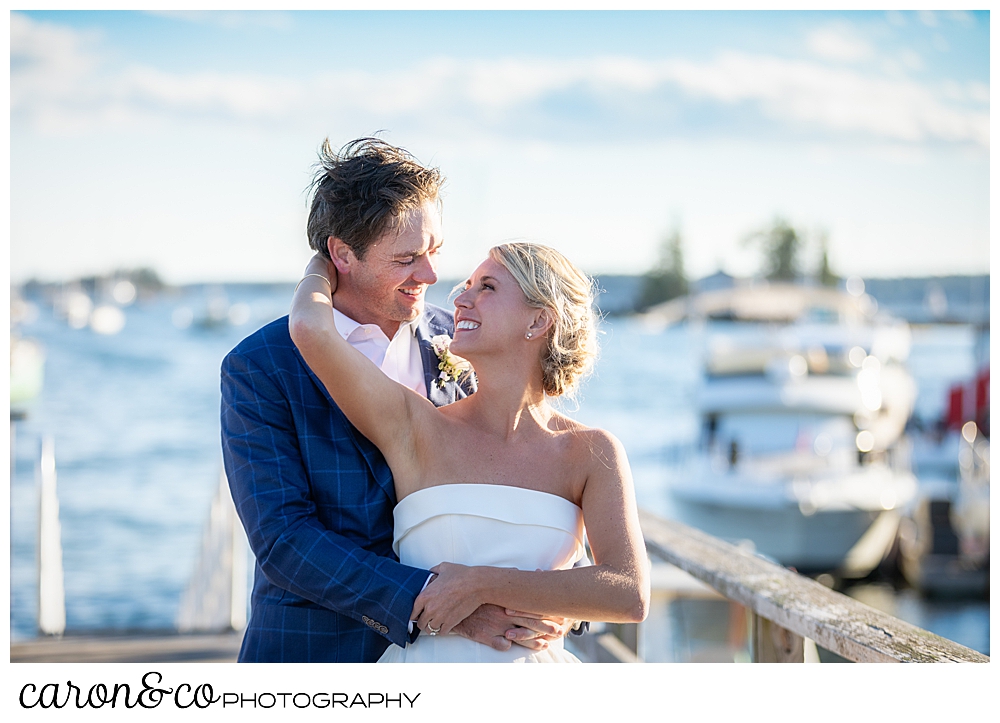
528	335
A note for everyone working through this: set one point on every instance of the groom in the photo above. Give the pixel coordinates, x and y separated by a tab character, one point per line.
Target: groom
314	496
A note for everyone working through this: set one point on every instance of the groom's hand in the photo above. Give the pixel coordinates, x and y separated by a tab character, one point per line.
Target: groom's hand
531	627
491	625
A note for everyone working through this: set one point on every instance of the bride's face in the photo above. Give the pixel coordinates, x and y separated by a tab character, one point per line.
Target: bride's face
492	314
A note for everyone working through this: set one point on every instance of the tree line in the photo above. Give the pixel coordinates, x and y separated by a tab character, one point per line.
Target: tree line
781	246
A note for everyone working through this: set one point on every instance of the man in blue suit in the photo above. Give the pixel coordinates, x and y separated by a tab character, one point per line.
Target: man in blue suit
314	496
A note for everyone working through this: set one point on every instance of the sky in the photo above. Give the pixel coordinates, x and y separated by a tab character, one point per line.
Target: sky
185	141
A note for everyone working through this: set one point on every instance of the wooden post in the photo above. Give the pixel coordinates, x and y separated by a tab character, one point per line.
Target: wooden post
51	590
628	633
610	649
215	599
772	643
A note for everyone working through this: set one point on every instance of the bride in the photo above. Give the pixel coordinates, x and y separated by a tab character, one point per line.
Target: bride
496	489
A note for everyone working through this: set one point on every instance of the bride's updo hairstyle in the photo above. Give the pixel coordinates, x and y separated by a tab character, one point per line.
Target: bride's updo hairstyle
550	281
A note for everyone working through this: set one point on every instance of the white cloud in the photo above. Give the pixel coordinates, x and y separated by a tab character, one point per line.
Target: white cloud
838	43
47	59
59	84
841	100
234	95
978	92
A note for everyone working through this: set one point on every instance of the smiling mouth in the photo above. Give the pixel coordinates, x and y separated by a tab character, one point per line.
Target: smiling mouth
466	325
413	293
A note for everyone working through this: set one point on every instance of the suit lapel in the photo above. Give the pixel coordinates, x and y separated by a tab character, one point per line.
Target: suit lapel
425	332
451	390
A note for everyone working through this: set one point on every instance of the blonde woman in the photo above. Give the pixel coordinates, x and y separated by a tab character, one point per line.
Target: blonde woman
495	490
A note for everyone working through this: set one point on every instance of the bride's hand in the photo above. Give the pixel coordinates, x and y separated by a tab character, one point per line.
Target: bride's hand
321	266
309	318
448	599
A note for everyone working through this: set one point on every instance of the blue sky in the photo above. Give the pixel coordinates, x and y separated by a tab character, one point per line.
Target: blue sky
184	141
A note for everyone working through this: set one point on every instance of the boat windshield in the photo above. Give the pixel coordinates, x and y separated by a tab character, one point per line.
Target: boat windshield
756	433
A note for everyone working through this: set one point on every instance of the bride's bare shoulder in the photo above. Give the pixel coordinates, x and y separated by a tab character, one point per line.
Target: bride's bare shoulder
595	443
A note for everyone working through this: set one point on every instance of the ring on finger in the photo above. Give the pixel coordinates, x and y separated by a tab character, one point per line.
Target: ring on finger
433	631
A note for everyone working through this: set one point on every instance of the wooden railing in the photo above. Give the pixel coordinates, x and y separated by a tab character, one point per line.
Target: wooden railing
785	608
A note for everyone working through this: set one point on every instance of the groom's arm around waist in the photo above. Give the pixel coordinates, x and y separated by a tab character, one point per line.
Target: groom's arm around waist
265	458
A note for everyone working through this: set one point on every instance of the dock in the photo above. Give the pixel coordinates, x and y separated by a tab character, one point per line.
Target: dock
129	648
785	617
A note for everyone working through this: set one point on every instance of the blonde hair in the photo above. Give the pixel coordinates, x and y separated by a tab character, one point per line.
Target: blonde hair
550	281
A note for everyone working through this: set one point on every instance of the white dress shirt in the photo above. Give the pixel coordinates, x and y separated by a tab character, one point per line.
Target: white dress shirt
399	357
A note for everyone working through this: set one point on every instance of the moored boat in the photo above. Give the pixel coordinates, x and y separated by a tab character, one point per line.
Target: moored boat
27	371
803	402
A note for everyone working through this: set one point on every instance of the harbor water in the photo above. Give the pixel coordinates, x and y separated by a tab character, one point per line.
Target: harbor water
134	417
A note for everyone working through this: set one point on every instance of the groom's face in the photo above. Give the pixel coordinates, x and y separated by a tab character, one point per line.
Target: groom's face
394	275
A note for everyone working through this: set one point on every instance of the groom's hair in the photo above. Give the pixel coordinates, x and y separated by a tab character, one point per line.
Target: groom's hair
365	190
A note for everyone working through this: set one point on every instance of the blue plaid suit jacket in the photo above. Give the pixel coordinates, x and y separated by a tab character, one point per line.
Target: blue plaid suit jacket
316	500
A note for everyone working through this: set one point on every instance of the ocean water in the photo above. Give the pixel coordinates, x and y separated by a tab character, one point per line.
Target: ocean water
135	422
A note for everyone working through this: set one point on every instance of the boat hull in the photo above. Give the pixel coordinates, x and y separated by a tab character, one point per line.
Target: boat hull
818	542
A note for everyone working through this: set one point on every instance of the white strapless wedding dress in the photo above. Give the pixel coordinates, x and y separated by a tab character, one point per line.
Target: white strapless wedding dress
493	525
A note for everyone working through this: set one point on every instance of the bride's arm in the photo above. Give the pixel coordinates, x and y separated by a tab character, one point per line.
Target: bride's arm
380	408
614	589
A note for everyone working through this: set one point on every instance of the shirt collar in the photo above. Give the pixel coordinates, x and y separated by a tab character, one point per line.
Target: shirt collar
346	325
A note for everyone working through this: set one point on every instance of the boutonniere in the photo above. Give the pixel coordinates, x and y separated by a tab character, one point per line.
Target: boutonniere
450	367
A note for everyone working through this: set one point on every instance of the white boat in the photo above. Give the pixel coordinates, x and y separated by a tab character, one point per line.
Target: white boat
803	402
27	358
27	371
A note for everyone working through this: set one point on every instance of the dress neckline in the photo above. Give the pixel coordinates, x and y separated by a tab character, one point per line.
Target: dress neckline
496	486
503	503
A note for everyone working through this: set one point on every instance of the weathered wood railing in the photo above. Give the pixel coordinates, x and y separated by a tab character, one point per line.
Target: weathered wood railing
786	607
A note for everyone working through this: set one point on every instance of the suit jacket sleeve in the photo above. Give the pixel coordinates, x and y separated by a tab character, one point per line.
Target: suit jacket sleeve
269	484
